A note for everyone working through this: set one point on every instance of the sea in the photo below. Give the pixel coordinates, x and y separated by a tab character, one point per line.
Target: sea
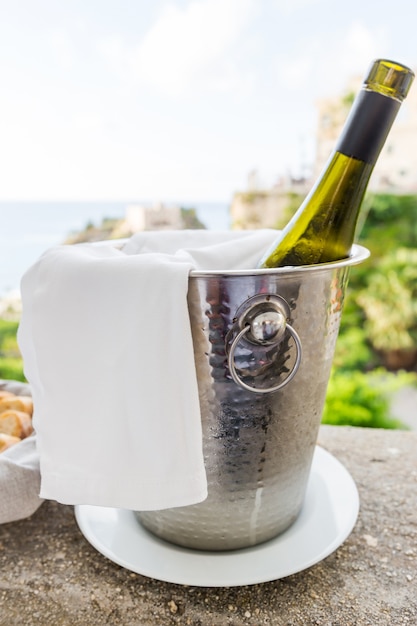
27	229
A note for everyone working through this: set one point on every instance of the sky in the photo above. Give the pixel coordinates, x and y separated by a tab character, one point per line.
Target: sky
176	100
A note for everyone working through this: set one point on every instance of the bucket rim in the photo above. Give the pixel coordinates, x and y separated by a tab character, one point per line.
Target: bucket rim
358	255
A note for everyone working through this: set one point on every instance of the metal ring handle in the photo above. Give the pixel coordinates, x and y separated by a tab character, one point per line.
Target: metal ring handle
239	381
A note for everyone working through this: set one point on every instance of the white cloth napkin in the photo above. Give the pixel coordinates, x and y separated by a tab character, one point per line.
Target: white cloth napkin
107	347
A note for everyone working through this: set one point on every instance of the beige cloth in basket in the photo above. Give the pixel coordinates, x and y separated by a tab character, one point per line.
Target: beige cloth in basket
19	471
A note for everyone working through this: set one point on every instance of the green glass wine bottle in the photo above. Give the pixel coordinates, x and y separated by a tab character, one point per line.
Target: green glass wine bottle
323	228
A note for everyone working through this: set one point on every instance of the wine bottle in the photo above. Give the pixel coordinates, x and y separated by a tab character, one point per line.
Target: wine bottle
323	228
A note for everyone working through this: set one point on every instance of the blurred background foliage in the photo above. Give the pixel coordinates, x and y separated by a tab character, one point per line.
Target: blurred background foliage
376	352
11	366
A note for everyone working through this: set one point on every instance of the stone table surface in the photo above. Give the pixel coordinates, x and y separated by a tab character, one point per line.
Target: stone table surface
51	575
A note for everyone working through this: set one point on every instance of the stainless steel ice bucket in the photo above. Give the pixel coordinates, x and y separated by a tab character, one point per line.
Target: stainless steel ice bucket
263	342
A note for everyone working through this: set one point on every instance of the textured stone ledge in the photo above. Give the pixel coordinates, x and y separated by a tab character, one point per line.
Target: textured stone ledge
50	575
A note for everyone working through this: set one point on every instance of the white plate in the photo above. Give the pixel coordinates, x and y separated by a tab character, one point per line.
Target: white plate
328	515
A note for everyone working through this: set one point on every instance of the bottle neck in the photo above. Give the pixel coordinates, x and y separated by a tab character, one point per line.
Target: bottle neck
367	126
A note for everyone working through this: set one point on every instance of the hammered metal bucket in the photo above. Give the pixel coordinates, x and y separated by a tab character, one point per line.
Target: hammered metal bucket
263	342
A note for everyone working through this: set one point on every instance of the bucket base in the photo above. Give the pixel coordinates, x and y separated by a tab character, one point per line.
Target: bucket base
220	543
197	526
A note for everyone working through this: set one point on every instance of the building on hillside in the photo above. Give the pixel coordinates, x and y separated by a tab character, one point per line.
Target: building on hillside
264	208
157	217
395	171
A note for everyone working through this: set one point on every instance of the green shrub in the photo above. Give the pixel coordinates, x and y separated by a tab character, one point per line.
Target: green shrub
363	399
390	301
11	364
8	329
11	368
352	350
391	220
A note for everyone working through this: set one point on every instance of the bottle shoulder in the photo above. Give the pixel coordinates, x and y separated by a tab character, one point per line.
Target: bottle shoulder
323	227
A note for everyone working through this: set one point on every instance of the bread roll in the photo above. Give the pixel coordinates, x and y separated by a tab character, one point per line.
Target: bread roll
15	423
17	403
7	441
6	394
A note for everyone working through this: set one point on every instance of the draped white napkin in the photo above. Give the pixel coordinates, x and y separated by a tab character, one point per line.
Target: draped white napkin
106	341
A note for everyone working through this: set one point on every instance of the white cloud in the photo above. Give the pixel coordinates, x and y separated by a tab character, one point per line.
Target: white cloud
294	72
292	6
325	65
186	47
361	46
63	49
116	55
